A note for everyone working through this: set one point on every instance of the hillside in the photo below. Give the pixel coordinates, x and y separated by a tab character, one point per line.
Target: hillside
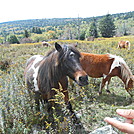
18	111
18	26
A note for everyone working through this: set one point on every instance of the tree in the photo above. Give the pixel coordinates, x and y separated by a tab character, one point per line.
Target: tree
26	34
92	30
12	39
82	35
106	26
39	31
36	30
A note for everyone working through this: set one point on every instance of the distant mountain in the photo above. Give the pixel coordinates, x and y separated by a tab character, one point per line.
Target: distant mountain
19	26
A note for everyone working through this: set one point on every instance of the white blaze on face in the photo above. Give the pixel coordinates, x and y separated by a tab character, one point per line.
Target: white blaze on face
38	58
116	62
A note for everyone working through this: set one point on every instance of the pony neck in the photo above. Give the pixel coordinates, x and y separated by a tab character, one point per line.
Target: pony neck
126	74
49	72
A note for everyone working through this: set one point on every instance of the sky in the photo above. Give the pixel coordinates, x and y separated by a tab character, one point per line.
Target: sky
11	10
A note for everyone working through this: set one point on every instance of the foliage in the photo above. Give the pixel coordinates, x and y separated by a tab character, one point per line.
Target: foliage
92	30
26	40
18	114
36	30
26	34
107	27
12	39
67	28
82	36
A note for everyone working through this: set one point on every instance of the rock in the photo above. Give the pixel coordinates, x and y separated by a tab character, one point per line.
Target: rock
104	130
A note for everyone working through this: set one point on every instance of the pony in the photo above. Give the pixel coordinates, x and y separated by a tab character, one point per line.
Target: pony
124	44
42	73
107	66
46	44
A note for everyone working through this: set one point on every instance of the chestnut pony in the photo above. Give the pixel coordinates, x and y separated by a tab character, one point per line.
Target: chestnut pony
124	44
42	73
107	66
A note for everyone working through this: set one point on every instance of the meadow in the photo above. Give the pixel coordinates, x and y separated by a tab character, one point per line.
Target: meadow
17	109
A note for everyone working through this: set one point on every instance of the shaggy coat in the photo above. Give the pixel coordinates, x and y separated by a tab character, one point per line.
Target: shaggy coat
107	66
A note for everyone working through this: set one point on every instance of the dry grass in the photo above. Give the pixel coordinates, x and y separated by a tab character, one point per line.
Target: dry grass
16	116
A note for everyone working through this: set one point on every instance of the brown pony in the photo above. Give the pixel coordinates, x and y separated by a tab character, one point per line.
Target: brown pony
42	73
124	44
107	66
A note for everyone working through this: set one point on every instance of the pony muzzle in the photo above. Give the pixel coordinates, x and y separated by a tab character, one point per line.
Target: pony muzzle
81	80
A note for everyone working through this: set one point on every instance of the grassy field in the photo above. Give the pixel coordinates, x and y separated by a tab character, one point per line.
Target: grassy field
16	114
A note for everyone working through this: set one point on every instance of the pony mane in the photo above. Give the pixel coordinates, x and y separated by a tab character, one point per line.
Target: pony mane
50	67
126	72
50	52
65	50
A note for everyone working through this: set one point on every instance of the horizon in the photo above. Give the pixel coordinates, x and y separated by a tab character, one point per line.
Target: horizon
62	17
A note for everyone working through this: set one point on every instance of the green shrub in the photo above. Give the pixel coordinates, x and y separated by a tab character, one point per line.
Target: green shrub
18	114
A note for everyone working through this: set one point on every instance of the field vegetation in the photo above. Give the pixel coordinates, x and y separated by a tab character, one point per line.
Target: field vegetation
17	109
36	30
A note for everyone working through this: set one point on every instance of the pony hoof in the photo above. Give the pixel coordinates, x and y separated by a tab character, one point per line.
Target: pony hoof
100	93
108	91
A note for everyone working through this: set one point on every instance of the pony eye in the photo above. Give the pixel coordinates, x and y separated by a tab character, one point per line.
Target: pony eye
72	54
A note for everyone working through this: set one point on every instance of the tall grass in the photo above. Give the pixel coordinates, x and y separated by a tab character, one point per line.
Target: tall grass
18	114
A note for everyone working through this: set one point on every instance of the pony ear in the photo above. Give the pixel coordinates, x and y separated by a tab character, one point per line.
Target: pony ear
58	47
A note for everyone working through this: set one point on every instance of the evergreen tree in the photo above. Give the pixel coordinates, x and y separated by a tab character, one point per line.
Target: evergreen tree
33	30
106	26
92	30
26	34
36	30
12	39
82	35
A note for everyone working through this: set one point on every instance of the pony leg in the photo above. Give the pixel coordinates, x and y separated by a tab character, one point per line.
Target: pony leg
102	85
64	84
37	96
117	46
107	79
129	46
107	84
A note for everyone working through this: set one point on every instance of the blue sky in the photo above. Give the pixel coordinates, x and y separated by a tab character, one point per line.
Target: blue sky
37	9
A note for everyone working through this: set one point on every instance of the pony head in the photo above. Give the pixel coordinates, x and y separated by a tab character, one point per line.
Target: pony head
130	86
69	62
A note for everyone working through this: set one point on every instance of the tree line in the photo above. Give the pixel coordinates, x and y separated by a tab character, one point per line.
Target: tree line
78	28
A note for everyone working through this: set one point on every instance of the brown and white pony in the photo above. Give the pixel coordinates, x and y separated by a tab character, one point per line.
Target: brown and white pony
107	66
124	44
46	44
42	73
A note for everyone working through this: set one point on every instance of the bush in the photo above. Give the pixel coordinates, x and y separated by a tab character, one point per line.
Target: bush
18	114
26	40
12	39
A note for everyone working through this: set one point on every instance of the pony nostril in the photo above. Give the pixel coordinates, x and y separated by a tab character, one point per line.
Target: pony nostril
80	78
83	78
